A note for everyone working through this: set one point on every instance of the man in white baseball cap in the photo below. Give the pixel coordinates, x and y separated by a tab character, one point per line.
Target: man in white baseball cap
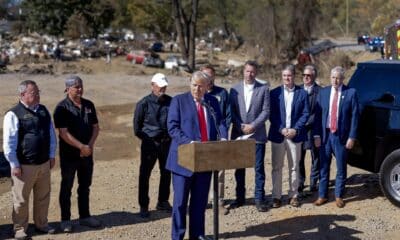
160	80
150	125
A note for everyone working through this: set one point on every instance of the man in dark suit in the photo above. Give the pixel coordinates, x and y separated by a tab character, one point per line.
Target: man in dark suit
312	88
193	117
249	102
289	114
221	95
335	131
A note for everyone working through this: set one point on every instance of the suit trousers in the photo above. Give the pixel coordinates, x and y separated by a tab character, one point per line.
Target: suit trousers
293	151
240	176
315	166
36	178
333	146
83	168
197	186
151	151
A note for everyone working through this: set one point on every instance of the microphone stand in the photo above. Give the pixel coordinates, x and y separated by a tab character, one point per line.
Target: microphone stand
215	176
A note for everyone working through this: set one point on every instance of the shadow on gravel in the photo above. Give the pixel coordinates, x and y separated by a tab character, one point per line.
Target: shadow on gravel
112	219
115	219
360	187
306	227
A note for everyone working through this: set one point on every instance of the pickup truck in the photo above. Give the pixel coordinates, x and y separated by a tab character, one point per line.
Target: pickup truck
378	143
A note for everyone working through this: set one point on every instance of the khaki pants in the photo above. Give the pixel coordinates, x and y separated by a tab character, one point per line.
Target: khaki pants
36	178
293	152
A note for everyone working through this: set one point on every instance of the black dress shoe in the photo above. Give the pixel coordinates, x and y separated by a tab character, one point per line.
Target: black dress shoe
144	212
236	204
261	207
313	188
276	203
164	206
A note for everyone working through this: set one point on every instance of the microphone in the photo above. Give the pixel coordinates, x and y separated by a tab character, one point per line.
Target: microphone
213	115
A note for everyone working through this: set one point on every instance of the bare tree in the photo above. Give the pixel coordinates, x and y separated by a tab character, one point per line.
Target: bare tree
303	16
186	30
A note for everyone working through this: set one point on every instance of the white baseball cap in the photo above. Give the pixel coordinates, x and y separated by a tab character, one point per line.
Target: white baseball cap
160	80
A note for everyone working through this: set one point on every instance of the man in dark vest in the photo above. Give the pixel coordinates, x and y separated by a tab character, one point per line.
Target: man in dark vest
29	146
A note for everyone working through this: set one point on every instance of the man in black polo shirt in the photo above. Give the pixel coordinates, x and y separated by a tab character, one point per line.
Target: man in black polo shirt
76	120
150	125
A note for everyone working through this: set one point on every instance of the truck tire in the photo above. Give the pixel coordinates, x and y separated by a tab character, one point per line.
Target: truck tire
389	177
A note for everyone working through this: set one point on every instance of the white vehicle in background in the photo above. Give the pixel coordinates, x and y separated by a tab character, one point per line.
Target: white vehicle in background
173	61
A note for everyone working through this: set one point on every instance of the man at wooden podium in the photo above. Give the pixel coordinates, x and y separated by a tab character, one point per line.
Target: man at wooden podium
193	117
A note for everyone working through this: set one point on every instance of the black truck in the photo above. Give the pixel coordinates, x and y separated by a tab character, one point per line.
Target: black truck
378	146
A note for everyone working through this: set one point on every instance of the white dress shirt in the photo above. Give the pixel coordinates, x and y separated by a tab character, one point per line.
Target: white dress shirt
288	94
10	138
248	93
309	88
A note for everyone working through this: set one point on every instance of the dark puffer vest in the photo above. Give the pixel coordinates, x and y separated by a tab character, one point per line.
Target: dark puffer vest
33	134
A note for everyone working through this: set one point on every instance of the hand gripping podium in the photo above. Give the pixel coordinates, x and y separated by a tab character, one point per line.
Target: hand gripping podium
215	156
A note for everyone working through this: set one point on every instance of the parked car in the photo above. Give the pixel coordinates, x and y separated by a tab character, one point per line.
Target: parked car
157	47
153	61
378	142
137	56
173	61
375	44
363	39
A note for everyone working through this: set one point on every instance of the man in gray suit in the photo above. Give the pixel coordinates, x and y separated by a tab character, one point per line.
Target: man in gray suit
249	110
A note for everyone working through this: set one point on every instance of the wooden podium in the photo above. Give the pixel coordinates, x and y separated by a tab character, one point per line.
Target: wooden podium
217	155
214	156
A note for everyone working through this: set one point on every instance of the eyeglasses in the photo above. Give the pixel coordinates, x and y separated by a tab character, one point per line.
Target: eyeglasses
34	93
307	75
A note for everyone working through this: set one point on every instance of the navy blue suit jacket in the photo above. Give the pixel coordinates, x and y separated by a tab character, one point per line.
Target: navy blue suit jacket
183	127
348	114
299	116
312	102
223	99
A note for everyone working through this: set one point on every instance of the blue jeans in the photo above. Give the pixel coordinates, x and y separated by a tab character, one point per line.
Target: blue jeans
333	146
240	175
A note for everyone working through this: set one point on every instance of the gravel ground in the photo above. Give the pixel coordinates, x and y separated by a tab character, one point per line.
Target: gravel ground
367	215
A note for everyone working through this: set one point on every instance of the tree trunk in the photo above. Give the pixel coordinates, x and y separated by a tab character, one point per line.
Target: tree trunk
192	36
186	31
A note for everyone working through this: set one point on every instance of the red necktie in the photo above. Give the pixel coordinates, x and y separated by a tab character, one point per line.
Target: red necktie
202	122
334	112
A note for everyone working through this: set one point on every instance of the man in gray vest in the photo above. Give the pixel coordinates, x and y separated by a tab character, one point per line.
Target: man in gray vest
29	145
